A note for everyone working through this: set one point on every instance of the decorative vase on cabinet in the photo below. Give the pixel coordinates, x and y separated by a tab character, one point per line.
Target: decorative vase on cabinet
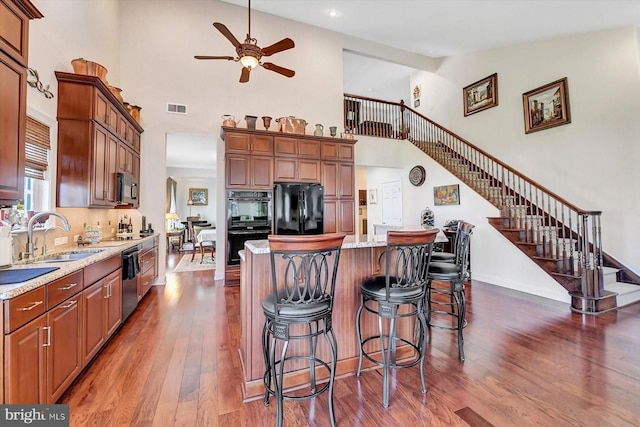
319	130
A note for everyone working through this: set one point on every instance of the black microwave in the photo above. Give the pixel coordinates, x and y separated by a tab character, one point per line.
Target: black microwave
127	190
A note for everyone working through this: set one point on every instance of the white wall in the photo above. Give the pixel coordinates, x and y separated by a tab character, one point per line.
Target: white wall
591	161
493	259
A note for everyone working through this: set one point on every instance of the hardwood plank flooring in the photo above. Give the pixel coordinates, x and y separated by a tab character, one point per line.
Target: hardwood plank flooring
529	362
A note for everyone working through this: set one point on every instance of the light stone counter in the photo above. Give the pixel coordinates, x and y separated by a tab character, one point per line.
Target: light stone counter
103	250
350	241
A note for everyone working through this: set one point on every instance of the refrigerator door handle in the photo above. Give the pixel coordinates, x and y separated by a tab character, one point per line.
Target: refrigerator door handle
304	205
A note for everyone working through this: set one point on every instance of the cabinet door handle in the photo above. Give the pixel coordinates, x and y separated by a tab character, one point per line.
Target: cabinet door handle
48	343
31	307
69	286
70	304
106	287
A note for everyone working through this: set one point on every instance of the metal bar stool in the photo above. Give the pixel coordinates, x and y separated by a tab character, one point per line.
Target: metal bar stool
399	294
303	269
454	273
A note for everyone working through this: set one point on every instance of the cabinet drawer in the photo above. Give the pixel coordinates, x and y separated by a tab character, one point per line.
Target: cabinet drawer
63	288
95	272
147	261
22	309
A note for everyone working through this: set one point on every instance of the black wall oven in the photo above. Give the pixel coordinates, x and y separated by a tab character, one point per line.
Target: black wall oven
248	218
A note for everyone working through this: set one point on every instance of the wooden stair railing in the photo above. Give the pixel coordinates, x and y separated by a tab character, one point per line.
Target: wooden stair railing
563	239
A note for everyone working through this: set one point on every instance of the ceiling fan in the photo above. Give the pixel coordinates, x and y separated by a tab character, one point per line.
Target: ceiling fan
249	53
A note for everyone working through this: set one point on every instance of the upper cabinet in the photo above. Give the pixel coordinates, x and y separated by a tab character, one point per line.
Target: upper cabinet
14	33
97	138
255	159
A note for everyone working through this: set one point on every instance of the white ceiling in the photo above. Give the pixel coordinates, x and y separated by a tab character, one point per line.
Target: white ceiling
432	28
438	28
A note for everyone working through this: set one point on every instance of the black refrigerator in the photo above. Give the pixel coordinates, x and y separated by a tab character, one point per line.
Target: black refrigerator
298	208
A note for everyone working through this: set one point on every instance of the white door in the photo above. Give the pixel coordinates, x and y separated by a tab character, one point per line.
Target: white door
392	202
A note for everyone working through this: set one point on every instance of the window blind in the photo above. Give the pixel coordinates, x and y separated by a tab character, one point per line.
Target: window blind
37	146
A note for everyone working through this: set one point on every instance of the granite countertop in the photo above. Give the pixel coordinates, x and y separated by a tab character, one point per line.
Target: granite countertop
103	250
350	241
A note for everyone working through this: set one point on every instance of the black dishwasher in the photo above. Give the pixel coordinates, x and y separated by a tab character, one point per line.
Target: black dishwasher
130	272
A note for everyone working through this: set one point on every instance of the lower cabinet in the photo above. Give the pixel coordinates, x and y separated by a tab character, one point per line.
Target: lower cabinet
64	352
148	267
43	357
25	367
339	216
102	313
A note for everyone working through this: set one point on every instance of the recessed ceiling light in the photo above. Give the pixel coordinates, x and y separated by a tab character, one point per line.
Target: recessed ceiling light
334	13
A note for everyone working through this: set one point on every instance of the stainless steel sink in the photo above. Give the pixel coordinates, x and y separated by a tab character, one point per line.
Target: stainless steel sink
68	256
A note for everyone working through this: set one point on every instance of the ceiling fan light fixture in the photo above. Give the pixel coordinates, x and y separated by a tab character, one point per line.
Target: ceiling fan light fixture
249	61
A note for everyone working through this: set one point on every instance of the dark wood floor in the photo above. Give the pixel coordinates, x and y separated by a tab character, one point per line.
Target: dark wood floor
529	362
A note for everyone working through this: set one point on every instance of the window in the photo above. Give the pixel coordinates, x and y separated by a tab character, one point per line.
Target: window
37	147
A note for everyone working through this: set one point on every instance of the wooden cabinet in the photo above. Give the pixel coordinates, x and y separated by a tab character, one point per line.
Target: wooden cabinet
339	216
103	178
148	267
43	356
13	90
128	160
297	170
261	145
339	197
337	151
102	305
285	146
64	349
25	364
338	179
14	36
255	159
249	172
93	307
97	138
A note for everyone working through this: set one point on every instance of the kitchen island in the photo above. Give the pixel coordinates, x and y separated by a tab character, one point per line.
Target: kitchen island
360	258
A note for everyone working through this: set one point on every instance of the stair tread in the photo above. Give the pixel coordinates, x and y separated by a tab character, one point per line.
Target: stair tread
622	288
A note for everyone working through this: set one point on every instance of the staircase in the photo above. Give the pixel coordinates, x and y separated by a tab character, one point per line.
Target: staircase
561	238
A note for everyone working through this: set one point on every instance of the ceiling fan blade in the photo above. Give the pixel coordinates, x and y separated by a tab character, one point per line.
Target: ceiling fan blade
278	69
225	32
244	76
229	58
283	44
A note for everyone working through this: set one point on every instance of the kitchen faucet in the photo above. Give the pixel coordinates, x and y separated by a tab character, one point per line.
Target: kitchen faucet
30	246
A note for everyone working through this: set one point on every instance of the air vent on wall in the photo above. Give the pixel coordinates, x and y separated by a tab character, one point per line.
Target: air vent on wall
176	108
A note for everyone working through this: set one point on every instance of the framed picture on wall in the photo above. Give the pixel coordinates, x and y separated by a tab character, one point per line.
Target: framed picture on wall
373	197
446	195
481	95
199	196
546	106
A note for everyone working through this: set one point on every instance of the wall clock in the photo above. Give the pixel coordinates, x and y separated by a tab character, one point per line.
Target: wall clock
417	176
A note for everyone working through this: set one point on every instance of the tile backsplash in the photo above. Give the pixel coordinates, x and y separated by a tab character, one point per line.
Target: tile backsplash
78	219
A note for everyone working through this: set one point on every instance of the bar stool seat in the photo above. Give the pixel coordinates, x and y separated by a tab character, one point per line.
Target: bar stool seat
303	272
376	287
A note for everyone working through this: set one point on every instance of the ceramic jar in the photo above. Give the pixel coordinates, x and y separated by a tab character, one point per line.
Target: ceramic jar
319	130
